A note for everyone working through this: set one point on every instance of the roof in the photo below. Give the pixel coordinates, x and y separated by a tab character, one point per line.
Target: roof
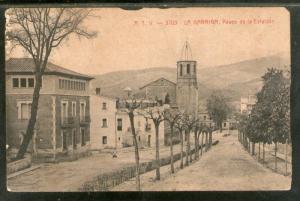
162	78
26	65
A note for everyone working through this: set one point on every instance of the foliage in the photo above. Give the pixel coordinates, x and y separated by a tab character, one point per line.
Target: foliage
218	108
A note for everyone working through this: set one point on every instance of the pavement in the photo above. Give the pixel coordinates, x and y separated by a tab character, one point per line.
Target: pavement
69	176
226	167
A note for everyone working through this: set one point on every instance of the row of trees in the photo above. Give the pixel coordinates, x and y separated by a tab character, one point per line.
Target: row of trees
178	122
269	120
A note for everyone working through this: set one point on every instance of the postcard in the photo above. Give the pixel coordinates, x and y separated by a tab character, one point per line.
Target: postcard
177	99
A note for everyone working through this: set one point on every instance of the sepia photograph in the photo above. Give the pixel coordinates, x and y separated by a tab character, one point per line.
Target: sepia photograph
177	99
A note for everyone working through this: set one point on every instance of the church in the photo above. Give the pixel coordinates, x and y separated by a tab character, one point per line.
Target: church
182	94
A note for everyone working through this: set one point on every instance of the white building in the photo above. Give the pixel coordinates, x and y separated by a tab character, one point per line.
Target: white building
110	125
247	104
145	129
104	123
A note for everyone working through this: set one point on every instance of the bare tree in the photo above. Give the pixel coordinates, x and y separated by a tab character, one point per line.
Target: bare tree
157	116
38	31
180	126
172	116
132	105
189	121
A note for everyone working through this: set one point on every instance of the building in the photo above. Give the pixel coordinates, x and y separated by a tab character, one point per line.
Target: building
104	122
161	90
110	125
63	120
247	104
144	128
183	94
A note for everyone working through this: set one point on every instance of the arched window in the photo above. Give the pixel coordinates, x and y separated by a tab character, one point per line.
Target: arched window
188	68
180	69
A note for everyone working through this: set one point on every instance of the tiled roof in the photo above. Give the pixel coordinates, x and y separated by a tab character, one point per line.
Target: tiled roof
26	65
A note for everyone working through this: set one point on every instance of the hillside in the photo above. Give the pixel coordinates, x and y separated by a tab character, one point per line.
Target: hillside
234	80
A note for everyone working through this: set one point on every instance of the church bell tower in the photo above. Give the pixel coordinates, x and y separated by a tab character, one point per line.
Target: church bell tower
187	87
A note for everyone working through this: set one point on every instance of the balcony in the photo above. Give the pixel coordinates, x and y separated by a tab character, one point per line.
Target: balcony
85	120
67	122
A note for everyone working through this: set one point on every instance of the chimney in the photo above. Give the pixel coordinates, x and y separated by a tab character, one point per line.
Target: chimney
98	91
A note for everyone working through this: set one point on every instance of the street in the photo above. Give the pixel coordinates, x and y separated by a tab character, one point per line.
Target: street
69	176
227	166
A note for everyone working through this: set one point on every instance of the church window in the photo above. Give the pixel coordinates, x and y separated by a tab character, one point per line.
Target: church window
180	69
188	68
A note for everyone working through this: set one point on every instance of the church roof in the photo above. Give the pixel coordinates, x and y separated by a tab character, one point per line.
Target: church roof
162	78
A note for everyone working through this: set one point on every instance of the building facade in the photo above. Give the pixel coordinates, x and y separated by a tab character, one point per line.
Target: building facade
63	120
247	104
104	123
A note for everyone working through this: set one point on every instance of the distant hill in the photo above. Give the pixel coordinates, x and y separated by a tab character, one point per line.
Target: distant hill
234	80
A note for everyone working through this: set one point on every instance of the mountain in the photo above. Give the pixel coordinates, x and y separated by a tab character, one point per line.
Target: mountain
233	80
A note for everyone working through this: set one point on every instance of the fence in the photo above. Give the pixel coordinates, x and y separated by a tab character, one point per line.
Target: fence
108	180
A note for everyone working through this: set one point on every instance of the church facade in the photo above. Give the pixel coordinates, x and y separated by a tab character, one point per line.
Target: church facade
183	94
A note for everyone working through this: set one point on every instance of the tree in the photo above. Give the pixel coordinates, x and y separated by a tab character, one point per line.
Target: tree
132	105
157	116
38	31
189	121
218	108
181	127
172	116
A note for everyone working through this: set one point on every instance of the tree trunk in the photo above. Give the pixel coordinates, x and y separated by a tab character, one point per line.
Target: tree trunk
196	147
263	152
275	156
202	143
157	152
187	149
181	150
286	153
31	124
253	148
259	151
206	141
136	151
210	139
171	150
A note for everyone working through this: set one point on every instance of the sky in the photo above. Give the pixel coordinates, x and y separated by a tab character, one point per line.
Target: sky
139	39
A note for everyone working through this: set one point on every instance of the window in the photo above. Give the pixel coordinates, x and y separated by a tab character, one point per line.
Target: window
188	68
24	110
73	109
74	139
104	140
180	69
82	110
194	68
82	134
15	82
139	138
71	84
30	82
119	124
119	138
64	112
104	106
204	117
104	123
23	82
224	124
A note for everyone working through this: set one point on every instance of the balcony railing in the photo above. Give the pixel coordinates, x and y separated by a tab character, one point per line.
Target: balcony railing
67	121
85	120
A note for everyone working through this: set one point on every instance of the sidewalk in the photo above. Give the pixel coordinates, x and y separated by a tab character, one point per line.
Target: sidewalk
69	176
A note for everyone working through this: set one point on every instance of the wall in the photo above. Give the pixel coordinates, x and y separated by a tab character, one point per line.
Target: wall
159	89
97	131
44	125
143	135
